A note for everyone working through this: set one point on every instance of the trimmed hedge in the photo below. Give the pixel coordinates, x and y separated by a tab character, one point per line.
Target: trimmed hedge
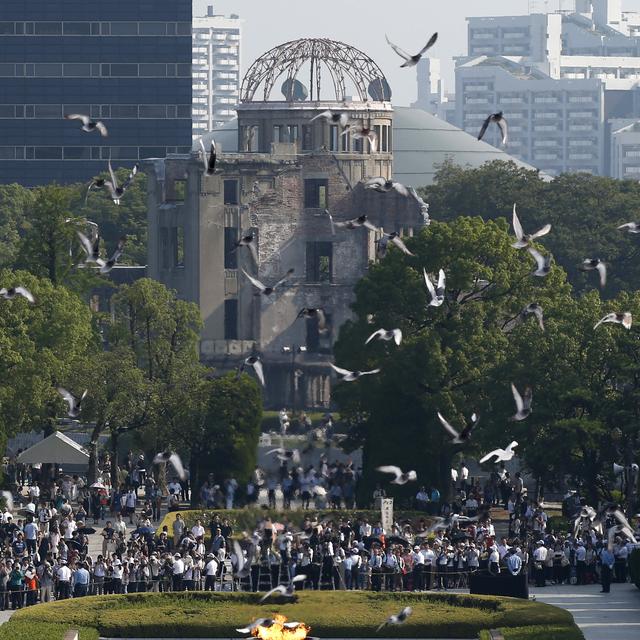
330	614
247	518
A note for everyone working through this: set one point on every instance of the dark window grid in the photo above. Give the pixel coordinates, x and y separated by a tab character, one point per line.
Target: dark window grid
104	70
316	193
231	319
231	192
79	28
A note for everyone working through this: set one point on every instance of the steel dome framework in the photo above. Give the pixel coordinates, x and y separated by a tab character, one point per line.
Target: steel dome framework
342	62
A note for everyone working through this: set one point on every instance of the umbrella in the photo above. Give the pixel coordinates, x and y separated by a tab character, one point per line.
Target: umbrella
145	531
398	540
369	540
26	512
97	485
86	531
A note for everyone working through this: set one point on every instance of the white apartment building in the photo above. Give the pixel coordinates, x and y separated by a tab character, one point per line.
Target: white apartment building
625	149
560	78
216	70
554	125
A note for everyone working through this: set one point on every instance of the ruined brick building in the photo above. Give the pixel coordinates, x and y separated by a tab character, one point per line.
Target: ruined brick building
290	170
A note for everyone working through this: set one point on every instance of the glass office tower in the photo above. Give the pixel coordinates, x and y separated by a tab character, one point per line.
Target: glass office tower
125	62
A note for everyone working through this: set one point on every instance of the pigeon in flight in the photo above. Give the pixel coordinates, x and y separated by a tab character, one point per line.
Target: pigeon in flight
383	334
253	361
75	404
355	223
589	264
533	309
360	131
7	496
260	622
264	290
383	244
398	618
523	404
437	293
631	227
88	124
498	118
501	455
350	376
400	476
286	455
624	319
543	263
285	591
248	241
308	312
409	60
12	292
98	183
465	434
115	191
382	185
174	460
106	266
334	117
209	161
524	238
91	248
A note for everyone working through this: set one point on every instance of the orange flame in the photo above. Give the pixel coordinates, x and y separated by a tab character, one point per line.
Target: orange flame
277	631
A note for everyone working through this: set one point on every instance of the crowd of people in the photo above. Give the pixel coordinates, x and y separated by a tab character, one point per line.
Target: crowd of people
46	540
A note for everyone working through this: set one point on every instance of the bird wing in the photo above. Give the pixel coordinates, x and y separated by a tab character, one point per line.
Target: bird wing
373	140
384	624
131	176
203	154
495	452
118	251
86	244
389	468
538	257
432	41
541	232
26	293
176	463
484	127
539	314
369	225
375	334
299	578
517	397
447	426
78	116
257	367
279	589
67	396
606	318
102	129
602	270
517	227
401	189
401	52
8	499
441	281
375	182
256	283
429	284
322	319
114	180
528	397
397	336
401	245
342	372
253	251
502	124
369	373
333	231
284	278
237	550
324	114
211	165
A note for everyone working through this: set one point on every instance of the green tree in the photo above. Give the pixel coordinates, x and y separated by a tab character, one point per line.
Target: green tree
41	344
15	201
448	353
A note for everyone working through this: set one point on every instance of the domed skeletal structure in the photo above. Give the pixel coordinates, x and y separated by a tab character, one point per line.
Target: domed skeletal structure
349	69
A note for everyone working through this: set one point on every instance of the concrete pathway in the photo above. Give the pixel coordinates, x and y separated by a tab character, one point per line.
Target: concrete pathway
600	616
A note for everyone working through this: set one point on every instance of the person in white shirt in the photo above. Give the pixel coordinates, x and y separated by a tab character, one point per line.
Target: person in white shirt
197	530
177	572
494	560
539	558
418	568
31	536
63	576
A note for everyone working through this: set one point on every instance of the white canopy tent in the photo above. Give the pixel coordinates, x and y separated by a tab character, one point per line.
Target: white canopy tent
56	449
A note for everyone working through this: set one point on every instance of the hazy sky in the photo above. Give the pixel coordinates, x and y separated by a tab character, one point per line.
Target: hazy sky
363	23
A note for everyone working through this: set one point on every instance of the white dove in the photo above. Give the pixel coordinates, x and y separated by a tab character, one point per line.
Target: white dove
502	455
383	334
382	185
75	404
465	434
398	618
409	60
631	227
624	319
253	361
543	263
589	264
400	476
341	119
286	591
523	403
437	293
88	124
174	460
12	292
525	238
350	376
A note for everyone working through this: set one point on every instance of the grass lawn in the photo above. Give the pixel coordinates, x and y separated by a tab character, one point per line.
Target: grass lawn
330	614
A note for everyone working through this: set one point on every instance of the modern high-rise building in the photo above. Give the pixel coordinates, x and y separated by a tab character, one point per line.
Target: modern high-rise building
561	79
124	62
216	70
